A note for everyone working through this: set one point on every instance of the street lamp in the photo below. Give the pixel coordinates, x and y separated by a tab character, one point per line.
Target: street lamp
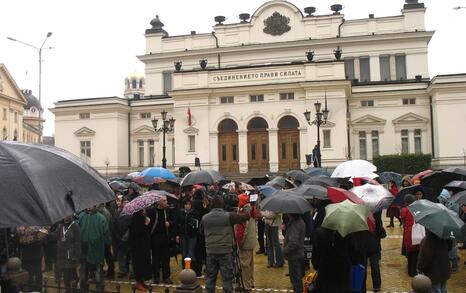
167	126
321	119
39	50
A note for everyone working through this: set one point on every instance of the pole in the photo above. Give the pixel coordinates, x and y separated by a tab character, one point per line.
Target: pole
319	162
164	160
40	96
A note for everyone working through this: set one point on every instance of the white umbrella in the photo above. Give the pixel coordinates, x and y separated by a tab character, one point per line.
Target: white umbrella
354	168
133	174
376	197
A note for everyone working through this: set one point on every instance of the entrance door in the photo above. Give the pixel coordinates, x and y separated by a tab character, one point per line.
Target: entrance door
228	149
258	151
288	149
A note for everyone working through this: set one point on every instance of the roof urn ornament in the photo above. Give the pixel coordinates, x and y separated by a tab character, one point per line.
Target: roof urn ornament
338	52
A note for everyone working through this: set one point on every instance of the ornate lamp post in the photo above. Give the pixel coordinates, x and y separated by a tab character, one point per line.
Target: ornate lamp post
321	119
167	126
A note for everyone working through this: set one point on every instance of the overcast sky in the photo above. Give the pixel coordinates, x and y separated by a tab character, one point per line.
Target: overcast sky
95	42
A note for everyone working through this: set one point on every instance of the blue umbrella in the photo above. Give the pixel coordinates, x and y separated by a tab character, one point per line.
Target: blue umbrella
427	194
266	190
386	177
316	172
157	172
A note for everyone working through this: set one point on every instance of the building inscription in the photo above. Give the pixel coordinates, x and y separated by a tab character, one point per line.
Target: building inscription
257	75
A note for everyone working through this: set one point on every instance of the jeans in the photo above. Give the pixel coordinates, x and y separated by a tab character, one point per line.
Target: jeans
69	276
412	263
375	270
274	251
123	259
260	234
224	264
453	254
439	287
295	269
188	247
84	271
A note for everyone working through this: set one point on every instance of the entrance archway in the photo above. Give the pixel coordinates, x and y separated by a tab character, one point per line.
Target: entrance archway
288	143
228	155
258	145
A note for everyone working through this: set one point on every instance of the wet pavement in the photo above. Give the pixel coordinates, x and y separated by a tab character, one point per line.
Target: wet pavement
393	270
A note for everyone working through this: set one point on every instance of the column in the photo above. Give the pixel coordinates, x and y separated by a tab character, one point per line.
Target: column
273	149
213	154
146	153
303	146
375	67
243	150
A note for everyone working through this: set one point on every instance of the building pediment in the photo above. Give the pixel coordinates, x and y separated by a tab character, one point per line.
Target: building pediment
84	131
410	118
9	88
191	130
368	120
143	130
328	124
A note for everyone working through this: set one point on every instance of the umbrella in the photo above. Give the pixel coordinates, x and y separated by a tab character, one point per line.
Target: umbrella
459	198
354	168
43	184
298	175
266	190
376	197
417	178
133	174
346	217
118	185
461	171
358	181
438	179
201	177
158	172
285	202
256	181
456	186
322	181
311	171
280	182
438	219
386	177
311	191
141	202
400	197
165	193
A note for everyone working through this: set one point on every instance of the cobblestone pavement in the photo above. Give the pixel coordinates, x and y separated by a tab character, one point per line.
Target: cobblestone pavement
393	269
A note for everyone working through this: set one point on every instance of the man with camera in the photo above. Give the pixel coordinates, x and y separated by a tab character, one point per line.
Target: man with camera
217	227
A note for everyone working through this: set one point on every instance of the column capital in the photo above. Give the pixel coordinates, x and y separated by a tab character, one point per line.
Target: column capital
242	131
272	129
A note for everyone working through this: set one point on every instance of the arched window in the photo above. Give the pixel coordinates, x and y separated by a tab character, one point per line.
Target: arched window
258	123
4	134
141	81
227	125
288	122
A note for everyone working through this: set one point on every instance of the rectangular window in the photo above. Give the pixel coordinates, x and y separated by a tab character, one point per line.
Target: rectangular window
349	69
16	117
227	100
283	151
192	143
264	151
327	141
224	152
404	141
384	67
364	69
400	63
256	98
85	149
367	103
375	143
411	101
141	153
167	82
234	152
417	141
295	150
151	152
253	151
4	114
145	115
286	96
84	115
362	145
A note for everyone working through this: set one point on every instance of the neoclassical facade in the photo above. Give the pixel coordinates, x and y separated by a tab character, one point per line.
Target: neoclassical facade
238	95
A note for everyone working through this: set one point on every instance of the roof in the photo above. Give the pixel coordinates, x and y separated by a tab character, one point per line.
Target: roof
32	101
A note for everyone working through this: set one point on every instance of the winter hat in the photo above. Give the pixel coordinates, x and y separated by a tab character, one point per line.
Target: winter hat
243	199
444	196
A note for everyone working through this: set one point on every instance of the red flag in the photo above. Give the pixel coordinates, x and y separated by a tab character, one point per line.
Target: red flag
189	116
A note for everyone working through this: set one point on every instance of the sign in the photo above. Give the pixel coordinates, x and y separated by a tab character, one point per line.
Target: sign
257	76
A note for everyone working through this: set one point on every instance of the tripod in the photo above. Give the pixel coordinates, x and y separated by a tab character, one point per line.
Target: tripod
237	270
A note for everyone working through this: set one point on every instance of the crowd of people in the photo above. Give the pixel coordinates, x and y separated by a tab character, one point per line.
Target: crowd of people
219	229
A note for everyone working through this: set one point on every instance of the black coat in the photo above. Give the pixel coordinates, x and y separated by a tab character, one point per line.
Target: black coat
188	223
139	242
68	245
331	258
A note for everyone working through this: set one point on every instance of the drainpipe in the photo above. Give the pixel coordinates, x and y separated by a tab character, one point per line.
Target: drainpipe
216	45
129	135
432	127
348	131
339	27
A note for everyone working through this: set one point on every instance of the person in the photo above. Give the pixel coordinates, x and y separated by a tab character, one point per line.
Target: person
188	226
200	206
108	248
246	240
408	249
433	261
394	210
293	250
68	252
133	191
260	227
405	182
273	221
217	228
120	234
139	243
95	235
162	224
374	251
445	198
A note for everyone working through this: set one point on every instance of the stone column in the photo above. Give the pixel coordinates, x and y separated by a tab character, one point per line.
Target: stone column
213	144
243	150
273	149
303	146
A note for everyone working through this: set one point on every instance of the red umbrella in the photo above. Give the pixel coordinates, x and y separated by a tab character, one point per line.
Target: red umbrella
419	176
358	181
337	195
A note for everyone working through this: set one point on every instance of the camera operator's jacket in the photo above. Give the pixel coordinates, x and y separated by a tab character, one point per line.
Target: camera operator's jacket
217	227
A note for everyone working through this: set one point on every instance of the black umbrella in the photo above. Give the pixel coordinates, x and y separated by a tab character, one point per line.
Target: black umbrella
311	191
461	171
456	186
280	182
322	181
438	179
201	177
459	198
256	181
284	201
298	175
400	197
40	185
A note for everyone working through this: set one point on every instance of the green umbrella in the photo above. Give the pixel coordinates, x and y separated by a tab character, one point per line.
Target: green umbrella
437	218
346	217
